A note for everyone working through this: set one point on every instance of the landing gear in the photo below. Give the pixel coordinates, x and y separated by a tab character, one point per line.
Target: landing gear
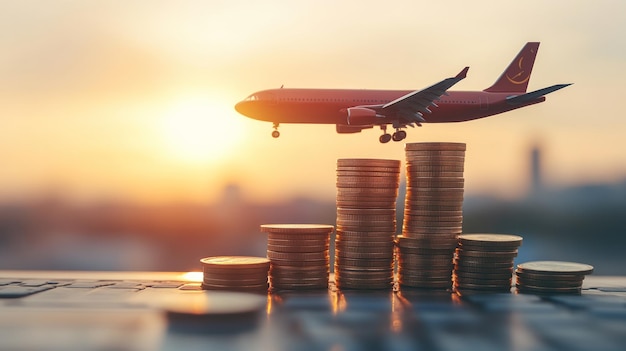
275	133
386	137
399	135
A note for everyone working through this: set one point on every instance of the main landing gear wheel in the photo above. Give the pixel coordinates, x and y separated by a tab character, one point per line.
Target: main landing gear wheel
385	138
275	133
399	135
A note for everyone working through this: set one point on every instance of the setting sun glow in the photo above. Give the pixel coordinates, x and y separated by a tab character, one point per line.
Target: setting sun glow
198	130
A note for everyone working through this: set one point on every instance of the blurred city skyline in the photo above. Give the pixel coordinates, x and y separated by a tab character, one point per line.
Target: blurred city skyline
133	102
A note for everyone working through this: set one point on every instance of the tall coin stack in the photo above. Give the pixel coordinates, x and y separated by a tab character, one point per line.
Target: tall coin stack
235	273
483	263
367	190
298	254
433	214
551	277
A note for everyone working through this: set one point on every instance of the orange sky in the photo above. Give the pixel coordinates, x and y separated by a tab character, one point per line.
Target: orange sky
110	99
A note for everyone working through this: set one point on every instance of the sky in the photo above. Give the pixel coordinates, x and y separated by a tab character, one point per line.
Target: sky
133	100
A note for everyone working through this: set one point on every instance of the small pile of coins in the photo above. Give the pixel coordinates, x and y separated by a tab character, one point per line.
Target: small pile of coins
235	273
483	263
551	277
433	214
367	190
298	255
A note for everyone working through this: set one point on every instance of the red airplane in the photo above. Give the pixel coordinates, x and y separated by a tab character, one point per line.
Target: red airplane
353	110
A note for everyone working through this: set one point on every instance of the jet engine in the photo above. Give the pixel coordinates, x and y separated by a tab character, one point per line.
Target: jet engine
361	116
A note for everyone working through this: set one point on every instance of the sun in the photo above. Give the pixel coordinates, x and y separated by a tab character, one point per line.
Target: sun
200	130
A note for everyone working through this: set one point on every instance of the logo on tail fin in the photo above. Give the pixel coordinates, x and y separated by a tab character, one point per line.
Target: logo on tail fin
521	76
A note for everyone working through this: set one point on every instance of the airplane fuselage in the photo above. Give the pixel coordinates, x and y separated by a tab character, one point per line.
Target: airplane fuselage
328	106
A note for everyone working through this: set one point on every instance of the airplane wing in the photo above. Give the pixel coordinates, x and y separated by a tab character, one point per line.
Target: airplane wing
412	106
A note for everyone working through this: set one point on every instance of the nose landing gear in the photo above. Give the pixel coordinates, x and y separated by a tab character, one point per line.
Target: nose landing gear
275	133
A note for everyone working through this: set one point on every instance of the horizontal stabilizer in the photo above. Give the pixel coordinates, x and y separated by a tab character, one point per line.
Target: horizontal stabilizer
528	97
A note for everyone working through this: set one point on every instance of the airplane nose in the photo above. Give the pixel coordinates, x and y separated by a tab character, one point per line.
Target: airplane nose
239	107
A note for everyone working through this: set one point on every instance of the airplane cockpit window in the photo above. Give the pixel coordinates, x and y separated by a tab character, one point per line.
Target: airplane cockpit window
252	97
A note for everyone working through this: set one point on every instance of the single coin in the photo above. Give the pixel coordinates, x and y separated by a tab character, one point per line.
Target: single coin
482	269
235	262
441	162
342	173
364	216
256	287
549	276
373	212
300	269
434	173
448	167
364	262
434	153
297	256
409	229
368	192
435	146
369	162
555	267
297	228
461	280
546	290
234	282
483	261
351	274
350	250
430	205
296	236
489	240
231	275
363	255
364	246
549	283
295	240
298	248
369	169
491	275
462	253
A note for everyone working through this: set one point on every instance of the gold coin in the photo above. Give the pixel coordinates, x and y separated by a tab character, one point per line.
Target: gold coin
414	173
555	267
463	253
369	169
425	182
490	240
367	162
435	146
381	174
297	228
235	262
297	256
297	248
434	153
368	192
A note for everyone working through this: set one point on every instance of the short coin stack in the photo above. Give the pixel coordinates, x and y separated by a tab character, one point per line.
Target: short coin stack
433	214
298	255
367	190
551	277
483	263
235	273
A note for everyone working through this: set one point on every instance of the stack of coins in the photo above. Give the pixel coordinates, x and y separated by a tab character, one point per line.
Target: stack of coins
367	190
551	277
235	273
298	255
483	263
433	214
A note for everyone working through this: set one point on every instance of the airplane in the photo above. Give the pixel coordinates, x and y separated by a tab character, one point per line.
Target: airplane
353	110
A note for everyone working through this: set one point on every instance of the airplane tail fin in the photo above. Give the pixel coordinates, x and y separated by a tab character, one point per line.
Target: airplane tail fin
516	76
